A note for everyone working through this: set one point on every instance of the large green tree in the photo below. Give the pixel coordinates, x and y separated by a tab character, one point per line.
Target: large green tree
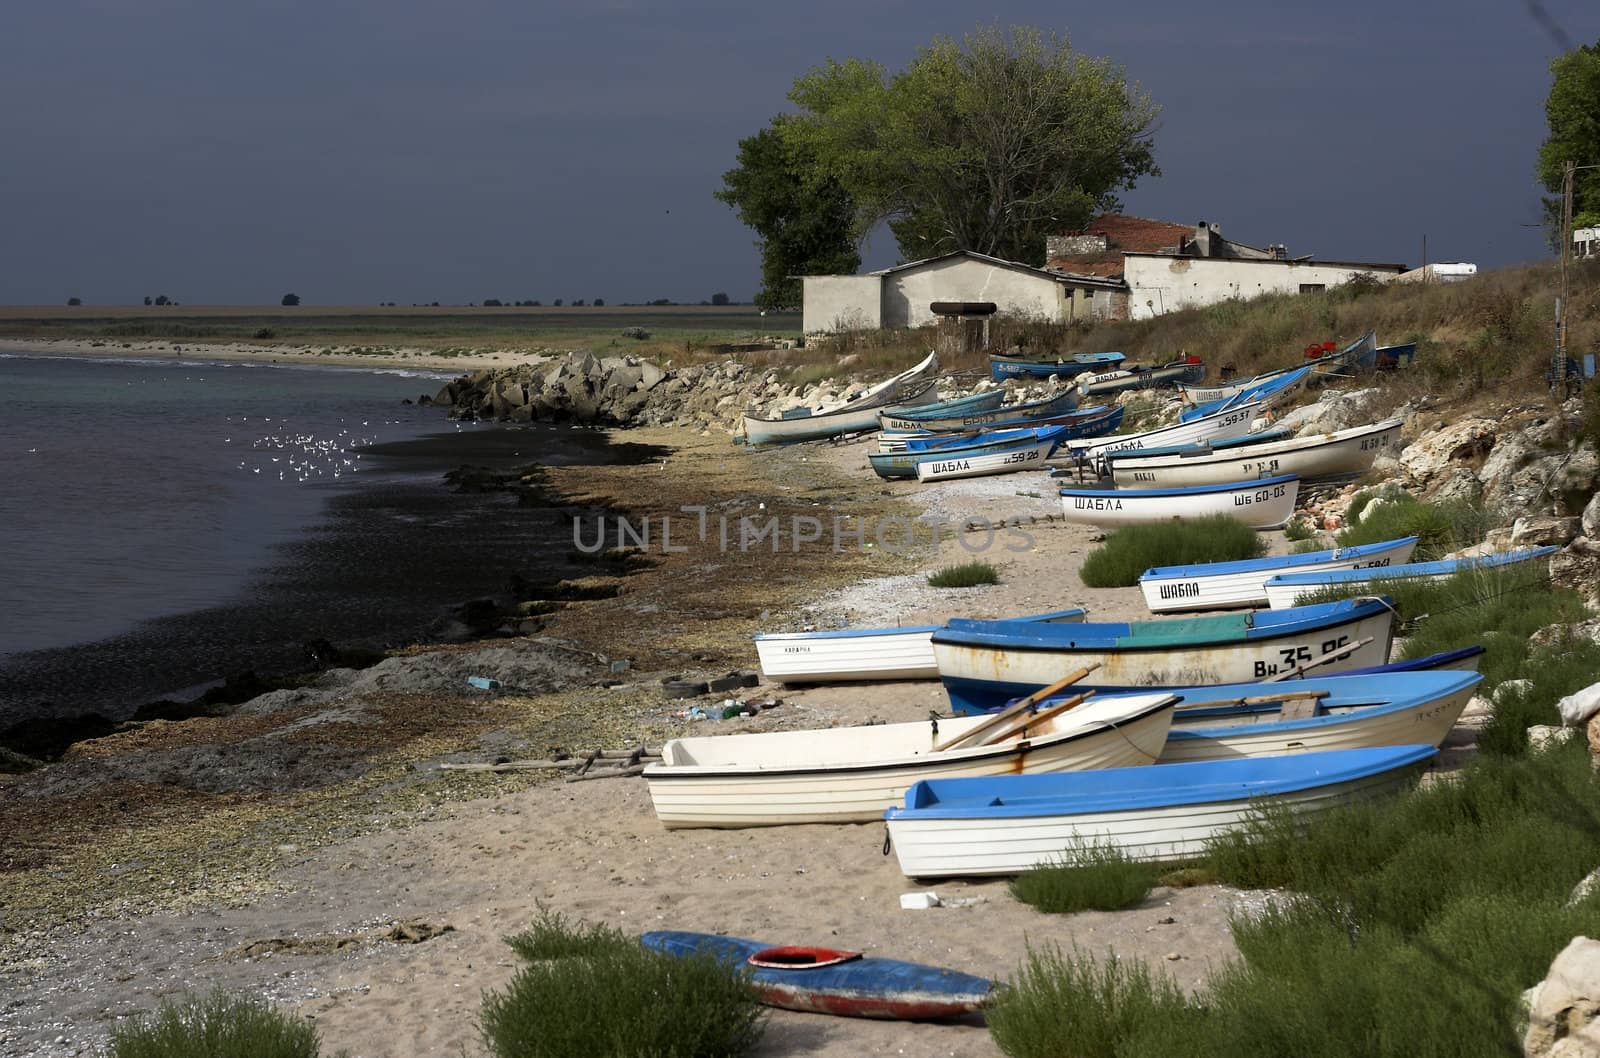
802	214
1572	112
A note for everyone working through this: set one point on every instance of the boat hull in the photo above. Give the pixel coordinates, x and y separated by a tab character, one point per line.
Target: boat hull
1177	589
970	418
1264	504
1283	590
852	774
860	988
1339	454
1235	422
1006	827
1086	422
1105	382
983	671
1004	367
984	464
854	655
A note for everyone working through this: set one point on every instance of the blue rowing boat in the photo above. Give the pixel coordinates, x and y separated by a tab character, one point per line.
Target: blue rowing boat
904	463
1206	448
972	419
1242	582
987	663
1161	813
972	402
1083	423
832	981
1268	394
1004	367
1284	589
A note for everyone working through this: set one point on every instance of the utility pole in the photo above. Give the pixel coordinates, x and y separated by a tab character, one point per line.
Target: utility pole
1558	364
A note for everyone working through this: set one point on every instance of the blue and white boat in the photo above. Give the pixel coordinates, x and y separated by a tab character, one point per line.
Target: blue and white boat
1234	422
973	418
1100	383
1388	357
1341	455
1263	504
856	654
1269	394
1096	421
1243	583
1041	440
1283	589
984	664
832	981
1249	440
1004	367
1316	713
978	402
1160	813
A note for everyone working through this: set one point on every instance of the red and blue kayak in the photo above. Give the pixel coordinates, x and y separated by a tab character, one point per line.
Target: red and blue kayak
830	981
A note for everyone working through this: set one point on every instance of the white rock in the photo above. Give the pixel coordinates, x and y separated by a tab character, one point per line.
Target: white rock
918	901
1561	1008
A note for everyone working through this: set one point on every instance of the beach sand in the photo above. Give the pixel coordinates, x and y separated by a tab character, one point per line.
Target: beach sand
594	851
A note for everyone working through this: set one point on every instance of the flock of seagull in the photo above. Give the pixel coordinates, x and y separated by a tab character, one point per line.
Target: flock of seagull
305	457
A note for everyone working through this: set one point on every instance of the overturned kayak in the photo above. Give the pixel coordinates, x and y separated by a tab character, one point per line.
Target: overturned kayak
831	981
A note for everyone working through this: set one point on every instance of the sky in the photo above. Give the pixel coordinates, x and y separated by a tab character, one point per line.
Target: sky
354	152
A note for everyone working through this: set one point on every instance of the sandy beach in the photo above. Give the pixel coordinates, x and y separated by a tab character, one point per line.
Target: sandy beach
315	939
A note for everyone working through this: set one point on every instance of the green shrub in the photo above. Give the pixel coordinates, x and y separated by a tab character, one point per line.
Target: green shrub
1130	551
1070	1006
966	575
596	991
1087	877
1439	527
218	1024
1299	529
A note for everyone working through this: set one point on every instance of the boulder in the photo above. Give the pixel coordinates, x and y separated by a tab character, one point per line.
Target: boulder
1591	517
1542	736
651	376
1577	566
1538	531
1335	410
1561	1008
1445	451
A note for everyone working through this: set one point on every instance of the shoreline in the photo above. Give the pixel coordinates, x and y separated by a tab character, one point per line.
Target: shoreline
400	359
478	852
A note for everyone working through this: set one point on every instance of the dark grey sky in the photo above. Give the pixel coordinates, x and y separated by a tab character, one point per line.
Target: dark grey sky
355	151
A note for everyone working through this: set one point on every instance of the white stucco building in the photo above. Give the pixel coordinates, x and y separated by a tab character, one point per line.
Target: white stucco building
900	296
1118	267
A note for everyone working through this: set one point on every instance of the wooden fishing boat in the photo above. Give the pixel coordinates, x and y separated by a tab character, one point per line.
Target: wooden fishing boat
1282	590
831	981
971	827
1039	441
1060	404
1085	422
1268	395
851	774
984	664
1263	504
1317	713
1187	369
1242	583
987	462
855	654
1234	422
1004	367
1311	457
908	388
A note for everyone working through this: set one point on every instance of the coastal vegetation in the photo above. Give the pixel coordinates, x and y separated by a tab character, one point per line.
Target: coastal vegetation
964	575
218	1024
1093	876
596	990
1129	551
1440	527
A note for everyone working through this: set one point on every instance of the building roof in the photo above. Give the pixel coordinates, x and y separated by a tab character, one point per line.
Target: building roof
1311	261
1138	234
985	258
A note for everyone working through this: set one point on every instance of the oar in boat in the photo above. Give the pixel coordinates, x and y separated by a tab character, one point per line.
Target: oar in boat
1027	703
1022	725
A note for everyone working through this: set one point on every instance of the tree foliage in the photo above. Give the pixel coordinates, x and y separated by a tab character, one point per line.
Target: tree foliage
988	143
801	213
290	300
1572	111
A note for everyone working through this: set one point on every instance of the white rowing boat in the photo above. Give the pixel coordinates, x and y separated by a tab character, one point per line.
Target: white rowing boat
971	827
856	654
1263	504
1234	422
1028	456
1231	585
908	388
852	774
1284	589
1313	456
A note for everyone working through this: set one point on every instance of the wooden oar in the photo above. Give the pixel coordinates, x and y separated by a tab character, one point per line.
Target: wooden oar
1259	699
1036	718
1027	703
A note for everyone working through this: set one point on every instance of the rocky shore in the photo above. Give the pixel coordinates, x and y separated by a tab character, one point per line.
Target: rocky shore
283	840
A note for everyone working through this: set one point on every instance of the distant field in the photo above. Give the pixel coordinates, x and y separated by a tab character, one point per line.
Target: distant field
672	327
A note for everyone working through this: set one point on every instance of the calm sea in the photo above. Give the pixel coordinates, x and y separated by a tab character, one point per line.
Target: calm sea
166	523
